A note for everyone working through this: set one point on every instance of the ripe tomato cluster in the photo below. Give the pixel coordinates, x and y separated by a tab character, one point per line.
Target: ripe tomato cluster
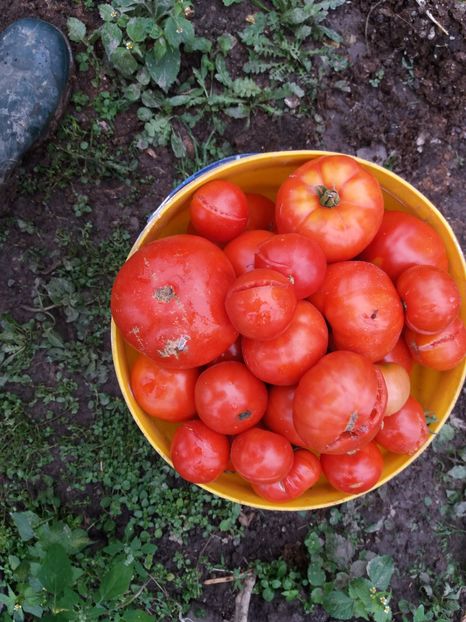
281	335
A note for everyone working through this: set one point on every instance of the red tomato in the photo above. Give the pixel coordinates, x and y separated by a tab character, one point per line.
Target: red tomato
299	257
261	456
219	210
400	355
441	351
340	403
261	303
398	386
334	199
363	308
164	393
261	212
279	414
355	472
242	250
168	301
304	473
404	241
283	360
229	399
198	453
430	298
405	431
233	353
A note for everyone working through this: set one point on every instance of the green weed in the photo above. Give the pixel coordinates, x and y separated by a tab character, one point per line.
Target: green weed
145	43
77	153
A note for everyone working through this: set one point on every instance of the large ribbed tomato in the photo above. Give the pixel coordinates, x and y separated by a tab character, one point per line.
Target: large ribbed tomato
168	301
340	403
334	199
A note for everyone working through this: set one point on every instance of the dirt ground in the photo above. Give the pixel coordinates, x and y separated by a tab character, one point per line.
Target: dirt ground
414	118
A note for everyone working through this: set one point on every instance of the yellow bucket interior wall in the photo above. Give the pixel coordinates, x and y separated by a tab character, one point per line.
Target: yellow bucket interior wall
263	174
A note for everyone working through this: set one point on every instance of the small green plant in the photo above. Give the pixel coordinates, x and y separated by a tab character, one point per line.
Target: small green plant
77	33
346	585
81	205
281	45
54	578
408	65
377	77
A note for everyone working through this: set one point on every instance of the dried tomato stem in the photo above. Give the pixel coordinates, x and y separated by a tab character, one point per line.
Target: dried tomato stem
328	197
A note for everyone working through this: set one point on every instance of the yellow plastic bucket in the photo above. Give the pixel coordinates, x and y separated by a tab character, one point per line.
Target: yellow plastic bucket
263	173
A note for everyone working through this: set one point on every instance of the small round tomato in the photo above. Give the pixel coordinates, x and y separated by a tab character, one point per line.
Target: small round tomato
298	257
398	386
340	403
405	431
363	308
356	472
261	456
171	308
442	351
219	210
430	298
334	199
403	241
283	360
279	414
304	473
232	353
198	453
229	399
399	355
242	250
260	304
261	212
164	393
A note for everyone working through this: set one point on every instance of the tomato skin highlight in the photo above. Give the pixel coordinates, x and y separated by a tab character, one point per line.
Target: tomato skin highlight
403	241
363	308
342	230
297	256
242	250
430	298
304	473
198	453
441	351
260	304
340	403
163	393
229	399
261	212
219	210
168	301
279	414
356	472
283	360
261	456
406	430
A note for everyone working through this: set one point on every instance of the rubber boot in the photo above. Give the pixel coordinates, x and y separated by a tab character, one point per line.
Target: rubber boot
35	66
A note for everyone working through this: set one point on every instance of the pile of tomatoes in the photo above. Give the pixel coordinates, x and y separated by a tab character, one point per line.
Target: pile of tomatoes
281	335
